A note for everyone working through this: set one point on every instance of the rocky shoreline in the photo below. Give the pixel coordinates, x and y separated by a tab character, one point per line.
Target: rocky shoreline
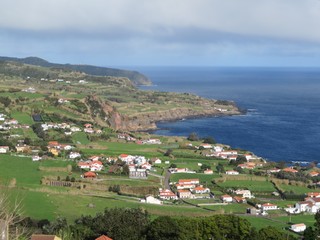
148	121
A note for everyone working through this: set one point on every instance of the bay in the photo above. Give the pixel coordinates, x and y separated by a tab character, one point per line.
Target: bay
283	118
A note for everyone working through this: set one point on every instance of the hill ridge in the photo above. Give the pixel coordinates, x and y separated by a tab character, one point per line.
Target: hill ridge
136	77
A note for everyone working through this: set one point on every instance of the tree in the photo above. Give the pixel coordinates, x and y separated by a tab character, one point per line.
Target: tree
10	216
173	165
209	140
205	166
163	228
193	137
220	168
241	159
309	234
168	152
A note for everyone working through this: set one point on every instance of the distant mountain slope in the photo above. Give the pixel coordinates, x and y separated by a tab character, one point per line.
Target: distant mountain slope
136	77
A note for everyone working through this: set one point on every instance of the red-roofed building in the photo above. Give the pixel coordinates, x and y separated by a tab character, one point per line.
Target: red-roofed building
90	175
226	198
189	181
184	193
201	190
94	158
313	174
167	194
239	199
103	237
87	125
290	169
314	194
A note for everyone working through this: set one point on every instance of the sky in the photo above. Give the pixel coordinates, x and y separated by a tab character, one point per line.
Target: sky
163	32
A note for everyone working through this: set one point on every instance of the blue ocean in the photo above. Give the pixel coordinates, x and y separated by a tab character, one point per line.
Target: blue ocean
283	108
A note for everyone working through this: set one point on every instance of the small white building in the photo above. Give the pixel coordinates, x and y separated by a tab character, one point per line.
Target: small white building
226	198
269	206
74	155
36	158
300	227
152	200
244	193
208	171
232	172
4	149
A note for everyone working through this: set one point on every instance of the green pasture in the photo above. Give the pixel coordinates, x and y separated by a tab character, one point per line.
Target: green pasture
309	220
22	94
80	138
295	189
23	118
203	178
261	222
233	208
254	186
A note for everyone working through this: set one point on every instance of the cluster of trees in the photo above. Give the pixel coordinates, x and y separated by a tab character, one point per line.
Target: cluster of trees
299	176
135	224
194	137
6	101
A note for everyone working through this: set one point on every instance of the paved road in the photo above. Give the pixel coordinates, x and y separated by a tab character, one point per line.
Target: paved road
167	179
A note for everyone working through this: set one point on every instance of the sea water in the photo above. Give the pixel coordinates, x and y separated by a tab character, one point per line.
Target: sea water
283	108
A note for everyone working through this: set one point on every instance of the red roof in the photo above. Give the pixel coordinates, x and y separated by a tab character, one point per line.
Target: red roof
53	143
268	204
183	190
89	174
103	237
97	162
123	155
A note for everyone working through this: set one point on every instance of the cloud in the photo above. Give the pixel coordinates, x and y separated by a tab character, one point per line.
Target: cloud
148	28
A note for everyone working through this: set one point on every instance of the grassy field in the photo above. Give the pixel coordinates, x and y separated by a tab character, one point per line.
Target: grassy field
253	186
23	118
295	189
204	178
261	222
80	138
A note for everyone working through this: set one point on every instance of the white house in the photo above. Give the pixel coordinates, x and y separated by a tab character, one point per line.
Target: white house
75	129
208	171
217	148
269	206
201	190
226	198
36	158
232	172
205	146
157	161
74	155
152	200
152	141
300	227
183	193
167	194
96	166
4	149
244	193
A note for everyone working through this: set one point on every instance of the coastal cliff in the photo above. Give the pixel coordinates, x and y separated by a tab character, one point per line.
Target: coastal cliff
148	120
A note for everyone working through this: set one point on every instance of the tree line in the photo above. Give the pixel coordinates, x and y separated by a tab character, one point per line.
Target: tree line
136	224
